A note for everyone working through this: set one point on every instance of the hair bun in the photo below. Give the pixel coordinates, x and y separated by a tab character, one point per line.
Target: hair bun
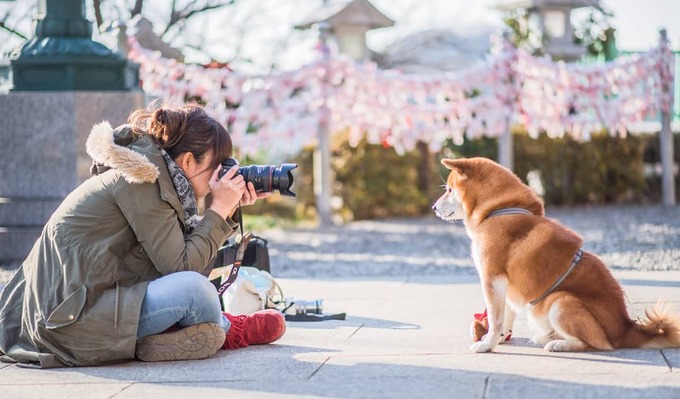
166	126
160	116
185	129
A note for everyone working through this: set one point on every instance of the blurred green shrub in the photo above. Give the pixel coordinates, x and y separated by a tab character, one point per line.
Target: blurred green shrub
373	181
603	170
376	182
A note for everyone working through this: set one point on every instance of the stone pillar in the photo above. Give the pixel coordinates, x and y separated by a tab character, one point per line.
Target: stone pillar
61	83
43	138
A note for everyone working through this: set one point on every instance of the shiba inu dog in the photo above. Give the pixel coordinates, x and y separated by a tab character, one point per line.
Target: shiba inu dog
531	264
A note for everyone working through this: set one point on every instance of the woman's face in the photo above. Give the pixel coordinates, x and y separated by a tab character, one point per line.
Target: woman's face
198	173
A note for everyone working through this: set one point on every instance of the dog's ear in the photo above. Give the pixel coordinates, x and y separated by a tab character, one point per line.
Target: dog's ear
459	166
449	163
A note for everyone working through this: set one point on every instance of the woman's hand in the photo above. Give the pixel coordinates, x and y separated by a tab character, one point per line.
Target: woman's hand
250	196
227	191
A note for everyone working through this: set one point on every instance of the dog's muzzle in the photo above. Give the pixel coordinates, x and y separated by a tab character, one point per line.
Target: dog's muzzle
446	209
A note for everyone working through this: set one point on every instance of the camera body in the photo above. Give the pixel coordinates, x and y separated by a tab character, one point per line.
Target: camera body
265	178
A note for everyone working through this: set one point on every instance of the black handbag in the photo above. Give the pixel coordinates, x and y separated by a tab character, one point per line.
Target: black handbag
256	254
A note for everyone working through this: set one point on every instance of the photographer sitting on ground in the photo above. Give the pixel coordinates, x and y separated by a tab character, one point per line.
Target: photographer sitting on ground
120	268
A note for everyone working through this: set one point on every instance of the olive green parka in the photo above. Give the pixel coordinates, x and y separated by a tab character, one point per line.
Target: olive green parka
76	299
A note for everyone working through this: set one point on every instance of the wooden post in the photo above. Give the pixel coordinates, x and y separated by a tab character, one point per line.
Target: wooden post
322	153
666	136
505	153
425	173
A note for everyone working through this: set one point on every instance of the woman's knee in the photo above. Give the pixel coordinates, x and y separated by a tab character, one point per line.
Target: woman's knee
197	284
195	281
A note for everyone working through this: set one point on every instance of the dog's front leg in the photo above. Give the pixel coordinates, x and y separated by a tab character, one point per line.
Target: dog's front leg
494	289
508	321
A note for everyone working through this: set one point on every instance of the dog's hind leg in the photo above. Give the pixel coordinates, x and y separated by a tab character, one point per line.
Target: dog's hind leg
576	325
541	330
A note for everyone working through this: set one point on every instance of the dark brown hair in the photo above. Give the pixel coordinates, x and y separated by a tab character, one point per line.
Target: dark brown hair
184	129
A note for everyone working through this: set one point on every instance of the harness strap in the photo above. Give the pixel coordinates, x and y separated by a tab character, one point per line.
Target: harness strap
508	211
577	259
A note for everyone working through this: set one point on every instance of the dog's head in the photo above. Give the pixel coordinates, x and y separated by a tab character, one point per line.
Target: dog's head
477	186
449	205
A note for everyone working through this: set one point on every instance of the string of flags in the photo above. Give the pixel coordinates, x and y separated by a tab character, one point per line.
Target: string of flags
283	110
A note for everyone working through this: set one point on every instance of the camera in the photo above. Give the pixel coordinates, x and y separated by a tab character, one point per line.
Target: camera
265	178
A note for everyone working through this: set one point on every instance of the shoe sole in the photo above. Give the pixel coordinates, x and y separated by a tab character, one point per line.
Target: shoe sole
190	343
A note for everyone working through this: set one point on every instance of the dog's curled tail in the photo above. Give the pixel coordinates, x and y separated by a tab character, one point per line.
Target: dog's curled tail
660	329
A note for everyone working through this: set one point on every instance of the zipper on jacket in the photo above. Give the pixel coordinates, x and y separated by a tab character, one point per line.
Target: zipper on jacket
115	316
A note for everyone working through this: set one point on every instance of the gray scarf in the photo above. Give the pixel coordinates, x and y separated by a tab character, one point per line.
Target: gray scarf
185	193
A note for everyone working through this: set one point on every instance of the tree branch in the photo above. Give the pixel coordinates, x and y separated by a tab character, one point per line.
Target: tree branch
187	12
10	30
97	4
137	8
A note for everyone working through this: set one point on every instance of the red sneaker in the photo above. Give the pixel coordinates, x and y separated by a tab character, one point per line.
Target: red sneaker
261	327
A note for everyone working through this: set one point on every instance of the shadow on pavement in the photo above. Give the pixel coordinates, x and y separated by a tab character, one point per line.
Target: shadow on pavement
358	322
363	377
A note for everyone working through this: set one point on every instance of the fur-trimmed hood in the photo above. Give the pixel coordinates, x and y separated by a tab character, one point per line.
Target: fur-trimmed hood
102	147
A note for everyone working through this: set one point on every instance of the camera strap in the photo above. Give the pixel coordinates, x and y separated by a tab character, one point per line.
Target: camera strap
240	252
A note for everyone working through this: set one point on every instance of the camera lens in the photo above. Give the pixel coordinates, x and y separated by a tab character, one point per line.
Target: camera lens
301	306
259	175
309	307
283	178
265	178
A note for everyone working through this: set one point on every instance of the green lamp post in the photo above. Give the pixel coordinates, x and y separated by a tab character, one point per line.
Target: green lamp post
63	56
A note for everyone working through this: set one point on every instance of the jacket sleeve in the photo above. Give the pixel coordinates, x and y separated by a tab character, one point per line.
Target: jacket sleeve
157	227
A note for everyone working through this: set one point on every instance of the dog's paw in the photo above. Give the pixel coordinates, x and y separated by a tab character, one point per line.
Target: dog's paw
481	347
544	339
554	346
563	345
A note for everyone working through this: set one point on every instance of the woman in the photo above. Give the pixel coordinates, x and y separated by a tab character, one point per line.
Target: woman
120	267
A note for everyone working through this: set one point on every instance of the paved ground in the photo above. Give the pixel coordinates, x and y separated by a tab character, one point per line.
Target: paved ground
409	290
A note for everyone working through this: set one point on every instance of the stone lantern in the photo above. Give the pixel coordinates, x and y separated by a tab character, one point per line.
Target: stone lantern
349	21
63	56
551	19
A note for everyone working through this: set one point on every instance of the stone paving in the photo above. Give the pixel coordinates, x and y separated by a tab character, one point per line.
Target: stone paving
409	290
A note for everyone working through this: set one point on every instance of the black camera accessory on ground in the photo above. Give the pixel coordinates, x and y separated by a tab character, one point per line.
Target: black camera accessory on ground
304	310
301	306
315	317
265	178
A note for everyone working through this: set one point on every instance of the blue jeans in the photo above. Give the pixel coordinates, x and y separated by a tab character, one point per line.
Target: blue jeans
183	298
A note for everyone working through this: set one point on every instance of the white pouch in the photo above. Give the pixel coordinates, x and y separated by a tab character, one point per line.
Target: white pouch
253	290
